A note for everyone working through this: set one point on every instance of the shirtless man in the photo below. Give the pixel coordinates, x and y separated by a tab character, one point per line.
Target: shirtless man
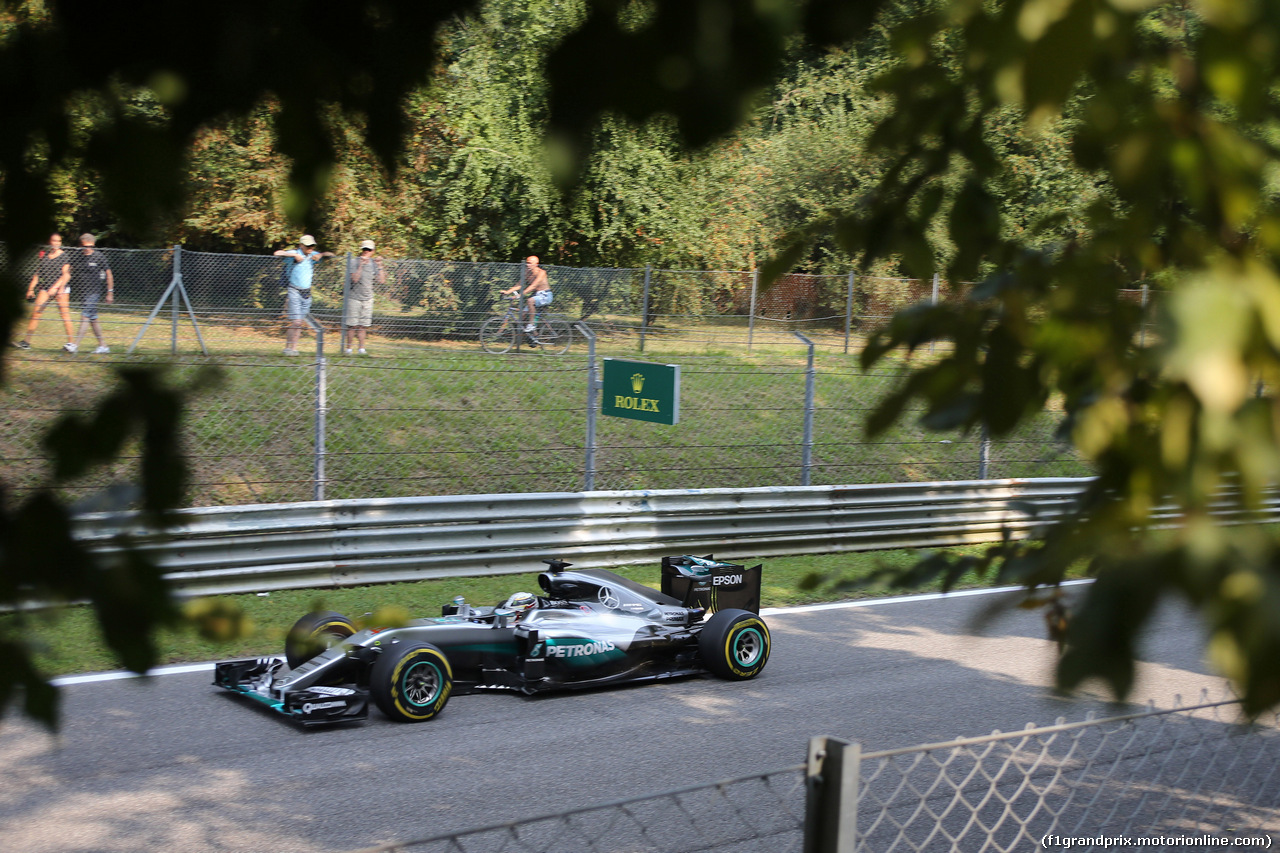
537	292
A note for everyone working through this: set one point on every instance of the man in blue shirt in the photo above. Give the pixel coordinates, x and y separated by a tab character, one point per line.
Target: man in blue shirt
297	303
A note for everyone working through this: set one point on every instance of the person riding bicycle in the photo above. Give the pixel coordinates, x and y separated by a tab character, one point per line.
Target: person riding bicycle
537	292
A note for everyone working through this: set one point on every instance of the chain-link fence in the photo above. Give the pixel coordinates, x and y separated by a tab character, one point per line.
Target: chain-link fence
179	301
450	422
1191	777
429	412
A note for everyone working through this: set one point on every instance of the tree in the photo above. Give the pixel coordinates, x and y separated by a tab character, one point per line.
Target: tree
1172	110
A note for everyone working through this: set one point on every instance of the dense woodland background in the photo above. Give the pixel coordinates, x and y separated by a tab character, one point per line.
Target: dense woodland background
473	181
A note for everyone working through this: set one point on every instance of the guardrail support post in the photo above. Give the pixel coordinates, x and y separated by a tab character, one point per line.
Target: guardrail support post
593	386
806	453
322	406
831	798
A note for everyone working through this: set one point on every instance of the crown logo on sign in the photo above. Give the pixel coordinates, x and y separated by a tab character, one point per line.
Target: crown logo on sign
637	382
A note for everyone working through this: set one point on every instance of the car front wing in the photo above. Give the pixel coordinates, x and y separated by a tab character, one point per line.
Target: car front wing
310	706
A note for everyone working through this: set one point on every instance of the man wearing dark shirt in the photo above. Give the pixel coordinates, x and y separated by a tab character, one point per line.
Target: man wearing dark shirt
91	279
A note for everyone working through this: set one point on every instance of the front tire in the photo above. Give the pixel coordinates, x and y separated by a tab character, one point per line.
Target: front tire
411	682
314	633
497	334
735	644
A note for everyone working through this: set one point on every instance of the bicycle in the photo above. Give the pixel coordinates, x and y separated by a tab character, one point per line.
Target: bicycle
551	332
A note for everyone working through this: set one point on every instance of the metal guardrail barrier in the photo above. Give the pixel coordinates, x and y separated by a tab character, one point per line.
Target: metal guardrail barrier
336	543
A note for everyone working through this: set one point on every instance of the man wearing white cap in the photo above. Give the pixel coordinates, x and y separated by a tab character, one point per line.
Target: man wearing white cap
359	316
91	277
297	303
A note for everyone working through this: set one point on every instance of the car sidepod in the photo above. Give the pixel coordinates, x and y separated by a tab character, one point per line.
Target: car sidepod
583	649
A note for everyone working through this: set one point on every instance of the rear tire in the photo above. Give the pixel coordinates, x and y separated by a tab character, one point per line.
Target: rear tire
411	682
554	336
497	334
735	644
314	633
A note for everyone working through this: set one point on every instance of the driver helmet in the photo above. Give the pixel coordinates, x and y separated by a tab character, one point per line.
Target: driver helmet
521	602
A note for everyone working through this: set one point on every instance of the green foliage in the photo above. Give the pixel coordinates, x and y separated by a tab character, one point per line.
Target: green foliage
110	104
1169	123
41	563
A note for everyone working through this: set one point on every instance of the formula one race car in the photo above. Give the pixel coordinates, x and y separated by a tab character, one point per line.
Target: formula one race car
590	628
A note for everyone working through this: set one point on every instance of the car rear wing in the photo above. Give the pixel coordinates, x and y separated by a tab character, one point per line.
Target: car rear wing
710	584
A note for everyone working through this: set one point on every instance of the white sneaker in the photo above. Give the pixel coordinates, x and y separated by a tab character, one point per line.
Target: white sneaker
291	352
361	351
529	327
70	347
102	350
348	350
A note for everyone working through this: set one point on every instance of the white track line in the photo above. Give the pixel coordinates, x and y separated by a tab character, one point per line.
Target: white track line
901	599
187	668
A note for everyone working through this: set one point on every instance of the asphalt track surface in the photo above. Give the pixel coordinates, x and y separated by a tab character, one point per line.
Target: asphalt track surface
171	763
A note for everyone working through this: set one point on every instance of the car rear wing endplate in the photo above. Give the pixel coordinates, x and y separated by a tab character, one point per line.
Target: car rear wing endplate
710	584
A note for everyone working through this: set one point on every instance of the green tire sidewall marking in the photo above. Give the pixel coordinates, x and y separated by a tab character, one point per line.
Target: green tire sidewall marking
756	627
408	672
404	667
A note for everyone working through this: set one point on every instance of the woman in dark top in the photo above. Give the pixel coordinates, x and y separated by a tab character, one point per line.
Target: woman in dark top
53	274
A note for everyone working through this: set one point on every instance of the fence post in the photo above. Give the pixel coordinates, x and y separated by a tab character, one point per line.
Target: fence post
751	319
177	274
984	453
644	304
933	301
178	291
848	313
346	294
831	796
322	405
806	453
1142	336
593	386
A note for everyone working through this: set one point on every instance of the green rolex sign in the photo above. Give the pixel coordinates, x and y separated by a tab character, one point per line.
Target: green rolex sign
642	391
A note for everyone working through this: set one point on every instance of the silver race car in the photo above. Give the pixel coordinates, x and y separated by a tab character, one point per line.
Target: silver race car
586	629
